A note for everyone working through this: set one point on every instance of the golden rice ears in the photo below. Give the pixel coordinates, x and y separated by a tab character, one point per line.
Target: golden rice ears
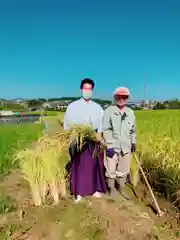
43	164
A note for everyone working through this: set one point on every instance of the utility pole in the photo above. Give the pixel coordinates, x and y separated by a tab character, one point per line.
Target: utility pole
145	75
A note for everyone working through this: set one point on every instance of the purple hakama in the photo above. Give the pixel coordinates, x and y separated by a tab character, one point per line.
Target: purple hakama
87	174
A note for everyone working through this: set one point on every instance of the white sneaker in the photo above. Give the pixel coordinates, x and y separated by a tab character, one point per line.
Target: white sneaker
78	199
97	195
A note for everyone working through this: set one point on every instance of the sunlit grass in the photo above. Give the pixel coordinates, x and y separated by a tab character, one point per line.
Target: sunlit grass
14	137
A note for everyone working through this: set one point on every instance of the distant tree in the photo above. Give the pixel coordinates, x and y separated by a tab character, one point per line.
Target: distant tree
174	104
101	101
159	106
168	104
71	99
42	99
34	103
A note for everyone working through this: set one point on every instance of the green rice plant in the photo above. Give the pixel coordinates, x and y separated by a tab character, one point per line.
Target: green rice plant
13	138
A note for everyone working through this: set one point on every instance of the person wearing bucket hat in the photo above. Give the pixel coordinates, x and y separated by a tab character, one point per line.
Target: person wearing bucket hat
119	130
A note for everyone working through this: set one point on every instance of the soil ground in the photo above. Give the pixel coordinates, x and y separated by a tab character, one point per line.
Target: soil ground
97	219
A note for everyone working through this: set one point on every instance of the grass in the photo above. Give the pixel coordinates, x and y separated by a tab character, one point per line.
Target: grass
86	224
6	204
55	117
47	113
12	138
27	112
69	222
6	232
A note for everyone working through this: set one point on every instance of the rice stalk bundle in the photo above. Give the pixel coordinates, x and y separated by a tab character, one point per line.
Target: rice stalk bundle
43	165
32	169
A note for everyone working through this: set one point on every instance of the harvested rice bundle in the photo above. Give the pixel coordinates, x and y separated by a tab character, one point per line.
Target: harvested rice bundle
32	169
43	170
43	165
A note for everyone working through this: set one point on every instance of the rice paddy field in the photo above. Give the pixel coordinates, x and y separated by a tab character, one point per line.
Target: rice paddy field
158	138
12	138
158	148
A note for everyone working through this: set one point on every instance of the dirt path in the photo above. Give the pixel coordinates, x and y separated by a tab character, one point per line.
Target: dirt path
94	219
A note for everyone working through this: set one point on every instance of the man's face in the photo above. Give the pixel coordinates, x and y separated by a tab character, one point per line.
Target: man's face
87	91
121	100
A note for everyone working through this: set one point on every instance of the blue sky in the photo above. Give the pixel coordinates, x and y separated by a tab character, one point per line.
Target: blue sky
47	47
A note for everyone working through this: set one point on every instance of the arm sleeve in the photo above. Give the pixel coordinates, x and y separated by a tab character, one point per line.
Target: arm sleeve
100	122
107	129
133	130
66	124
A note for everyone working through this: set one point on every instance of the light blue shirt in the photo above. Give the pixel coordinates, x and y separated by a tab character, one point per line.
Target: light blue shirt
82	112
119	134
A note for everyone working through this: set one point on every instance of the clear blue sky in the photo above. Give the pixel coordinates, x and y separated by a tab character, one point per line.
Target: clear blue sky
48	46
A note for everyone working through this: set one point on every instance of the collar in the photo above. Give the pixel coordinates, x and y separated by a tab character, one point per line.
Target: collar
117	112
84	101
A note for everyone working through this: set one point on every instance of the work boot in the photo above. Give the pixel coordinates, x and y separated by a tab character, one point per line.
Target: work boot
113	193
121	187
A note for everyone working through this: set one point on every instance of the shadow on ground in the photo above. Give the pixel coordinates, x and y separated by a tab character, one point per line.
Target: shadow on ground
96	219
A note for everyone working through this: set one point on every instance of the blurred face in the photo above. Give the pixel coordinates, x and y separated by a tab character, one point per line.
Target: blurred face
87	91
121	100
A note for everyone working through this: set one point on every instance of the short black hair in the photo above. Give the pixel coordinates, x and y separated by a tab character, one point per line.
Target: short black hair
88	81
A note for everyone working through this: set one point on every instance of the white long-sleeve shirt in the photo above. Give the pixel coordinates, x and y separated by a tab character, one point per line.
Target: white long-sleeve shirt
82	112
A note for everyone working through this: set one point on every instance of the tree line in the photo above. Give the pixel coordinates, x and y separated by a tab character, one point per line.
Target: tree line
35	103
171	104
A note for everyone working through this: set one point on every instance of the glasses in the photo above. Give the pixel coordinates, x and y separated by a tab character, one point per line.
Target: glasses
121	97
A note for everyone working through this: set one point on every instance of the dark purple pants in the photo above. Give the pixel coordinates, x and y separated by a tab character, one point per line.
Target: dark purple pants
87	173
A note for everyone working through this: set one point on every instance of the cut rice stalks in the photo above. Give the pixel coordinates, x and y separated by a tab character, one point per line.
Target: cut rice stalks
43	165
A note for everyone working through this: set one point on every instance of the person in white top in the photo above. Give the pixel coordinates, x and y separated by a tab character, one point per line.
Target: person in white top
87	175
